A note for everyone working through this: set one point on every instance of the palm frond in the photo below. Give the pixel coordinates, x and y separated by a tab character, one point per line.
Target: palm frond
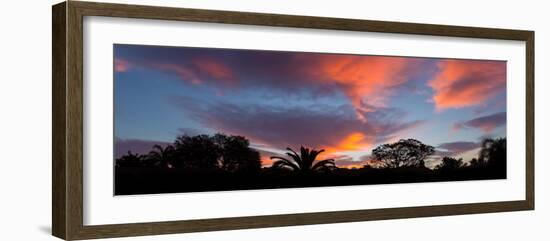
296	158
315	153
304	152
284	161
288	148
328	163
284	164
305	161
294	155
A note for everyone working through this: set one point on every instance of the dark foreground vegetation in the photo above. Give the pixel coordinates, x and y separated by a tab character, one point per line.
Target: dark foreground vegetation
220	162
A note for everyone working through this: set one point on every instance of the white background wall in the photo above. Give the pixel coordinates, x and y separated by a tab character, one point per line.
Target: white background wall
25	122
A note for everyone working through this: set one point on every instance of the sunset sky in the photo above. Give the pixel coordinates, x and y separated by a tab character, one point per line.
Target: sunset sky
345	104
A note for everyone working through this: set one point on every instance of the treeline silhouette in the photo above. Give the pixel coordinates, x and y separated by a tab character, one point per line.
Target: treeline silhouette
221	162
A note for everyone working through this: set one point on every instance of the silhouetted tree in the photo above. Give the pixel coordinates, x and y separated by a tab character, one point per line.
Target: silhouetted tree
229	153
196	152
475	163
493	150
226	162
492	154
304	162
408	152
162	157
367	167
130	160
235	154
450	163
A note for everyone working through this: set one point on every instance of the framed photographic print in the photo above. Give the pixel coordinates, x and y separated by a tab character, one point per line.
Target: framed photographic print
170	120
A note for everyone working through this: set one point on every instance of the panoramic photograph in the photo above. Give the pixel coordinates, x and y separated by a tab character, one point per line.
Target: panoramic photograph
189	119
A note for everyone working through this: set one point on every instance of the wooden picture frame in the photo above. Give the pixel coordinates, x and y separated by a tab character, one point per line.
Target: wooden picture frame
67	76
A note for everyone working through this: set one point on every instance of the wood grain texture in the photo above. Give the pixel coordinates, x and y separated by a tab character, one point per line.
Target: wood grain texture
263	19
67	78
530	120
122	230
74	121
59	192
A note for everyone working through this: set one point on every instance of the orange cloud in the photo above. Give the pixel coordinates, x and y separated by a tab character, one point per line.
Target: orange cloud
121	65
352	166
266	160
362	162
367	81
355	141
464	83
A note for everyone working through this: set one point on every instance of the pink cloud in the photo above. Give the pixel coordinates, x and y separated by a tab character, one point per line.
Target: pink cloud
200	70
215	69
121	65
368	81
182	71
464	83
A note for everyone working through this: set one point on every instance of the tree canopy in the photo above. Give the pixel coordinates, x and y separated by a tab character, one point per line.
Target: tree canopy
234	154
492	154
450	163
229	153
405	152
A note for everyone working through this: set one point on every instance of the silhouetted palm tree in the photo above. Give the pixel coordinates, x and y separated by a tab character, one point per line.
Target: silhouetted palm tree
304	162
162	156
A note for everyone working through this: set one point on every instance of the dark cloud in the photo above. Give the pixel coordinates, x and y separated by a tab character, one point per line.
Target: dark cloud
485	123
459	146
293	127
455	148
122	146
